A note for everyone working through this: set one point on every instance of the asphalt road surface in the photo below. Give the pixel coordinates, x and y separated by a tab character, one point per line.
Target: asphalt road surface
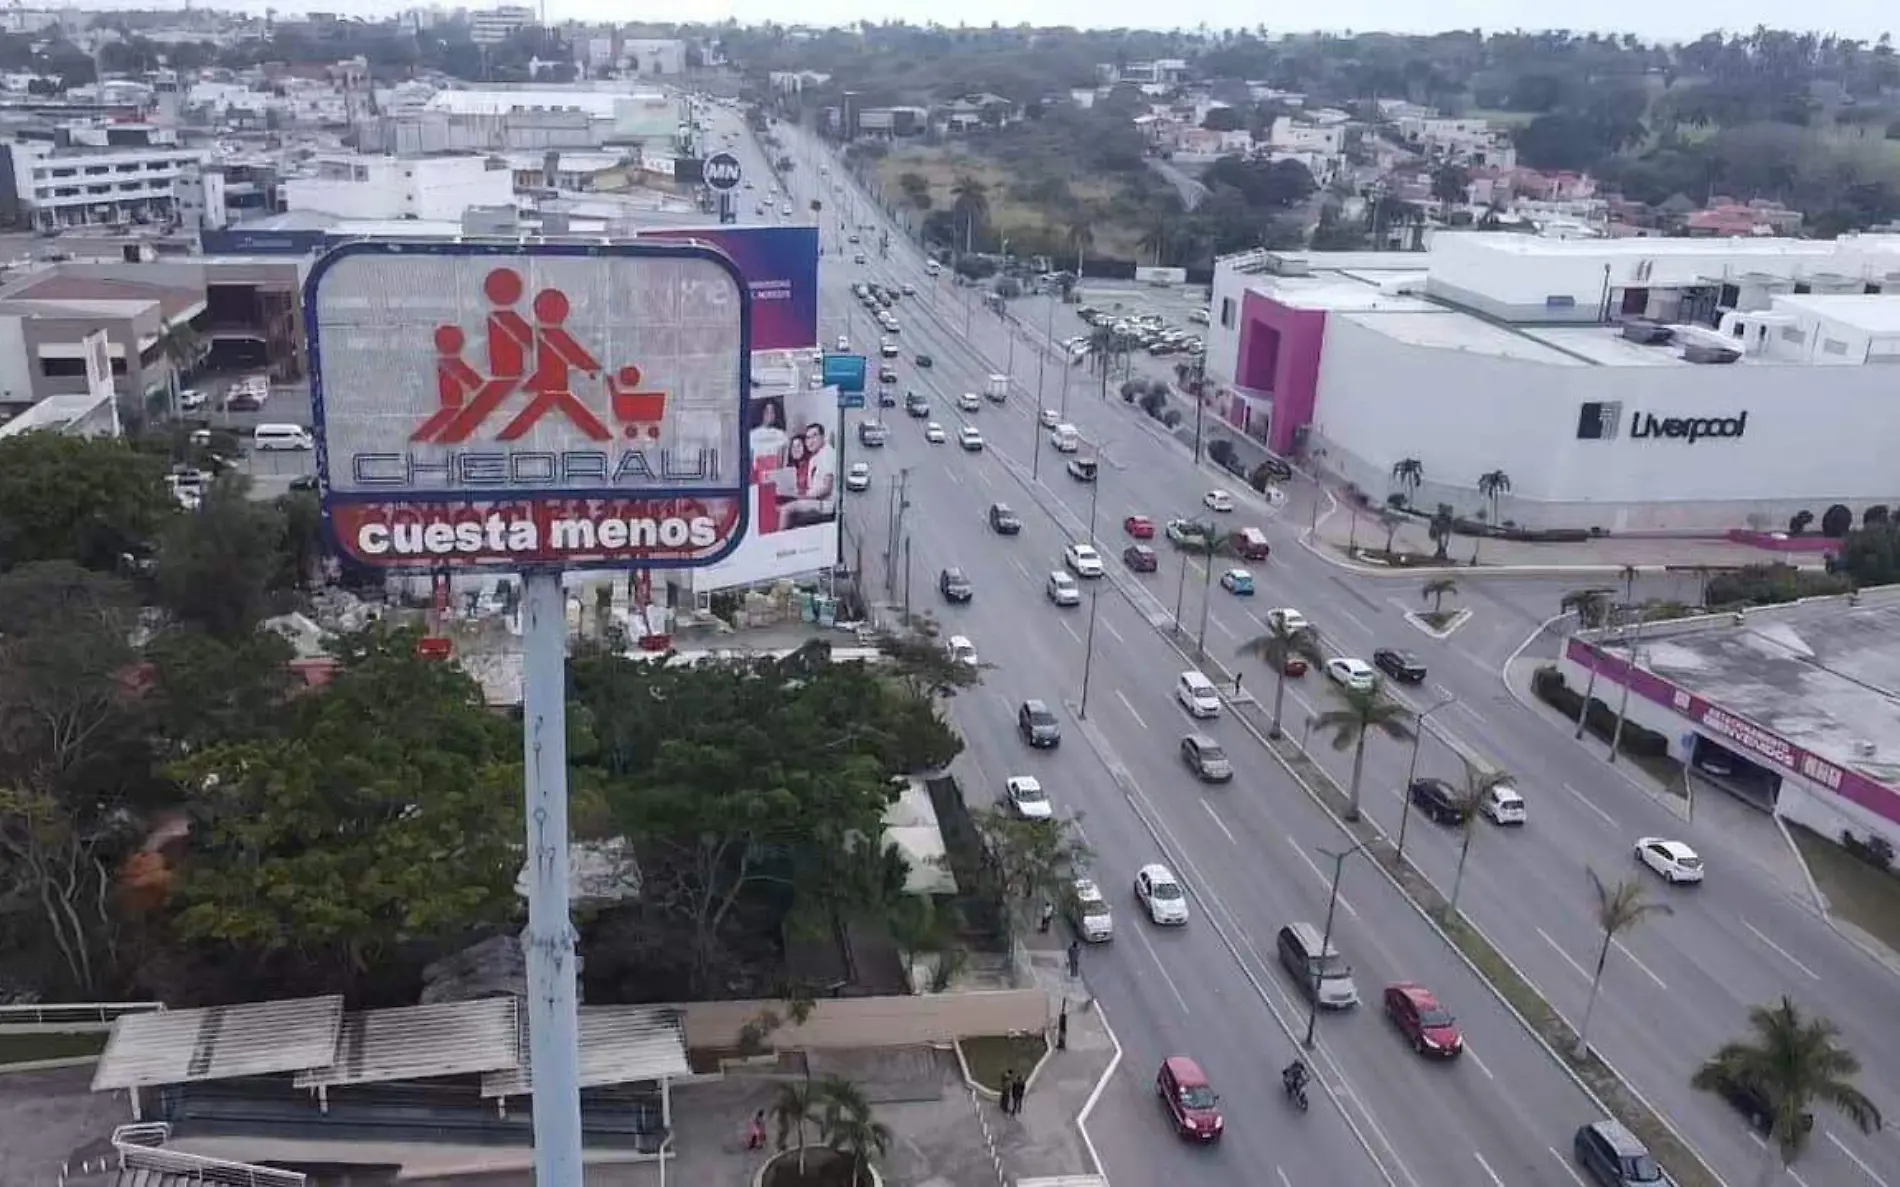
1675	988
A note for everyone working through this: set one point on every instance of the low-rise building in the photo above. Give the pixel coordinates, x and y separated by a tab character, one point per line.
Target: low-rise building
427	188
51	187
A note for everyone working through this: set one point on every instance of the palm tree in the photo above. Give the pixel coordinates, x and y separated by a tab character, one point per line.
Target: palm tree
1391	521
183	350
1081	238
849	1127
796	1106
1436	589
1277	648
970	205
1154	239
1409	473
1619	908
1792	1062
1207	547
1627	575
1492	485
1591	606
1478	784
1362	711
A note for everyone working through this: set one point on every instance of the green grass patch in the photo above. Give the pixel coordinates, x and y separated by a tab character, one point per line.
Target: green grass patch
989	1056
21	1047
1856	891
1504	119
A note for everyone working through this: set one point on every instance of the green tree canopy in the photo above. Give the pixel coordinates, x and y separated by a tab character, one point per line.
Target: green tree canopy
78	498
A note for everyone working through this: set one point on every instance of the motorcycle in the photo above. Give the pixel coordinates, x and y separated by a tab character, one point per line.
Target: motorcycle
1295	1090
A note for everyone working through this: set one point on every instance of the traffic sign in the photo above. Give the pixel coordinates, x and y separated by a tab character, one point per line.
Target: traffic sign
722	171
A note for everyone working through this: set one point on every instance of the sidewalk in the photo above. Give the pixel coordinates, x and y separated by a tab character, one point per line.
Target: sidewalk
1341	528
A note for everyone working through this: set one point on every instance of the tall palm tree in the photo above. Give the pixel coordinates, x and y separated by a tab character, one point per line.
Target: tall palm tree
1277	648
1619	907
970	206
796	1106
1437	589
1361	712
1409	473
1081	239
183	350
1207	547
1391	521
1154	239
1478	784
1627	575
1591	606
1793	1062
849	1128
1494	484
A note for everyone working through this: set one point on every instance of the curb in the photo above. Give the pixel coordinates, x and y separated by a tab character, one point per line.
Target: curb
1095	1095
1478	572
1029	1081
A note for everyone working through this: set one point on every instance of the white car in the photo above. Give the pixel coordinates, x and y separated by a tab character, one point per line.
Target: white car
1161	895
933	433
962	650
1197	694
971	438
858	477
1286	620
1063	590
887	348
970	402
1502	805
1083	560
1355	674
1673	860
1218	500
1027	798
844	342
817	358
1051	418
191	399
817	381
1089	913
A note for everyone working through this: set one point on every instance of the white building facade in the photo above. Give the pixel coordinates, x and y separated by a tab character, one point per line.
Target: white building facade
54	188
1627	385
420	188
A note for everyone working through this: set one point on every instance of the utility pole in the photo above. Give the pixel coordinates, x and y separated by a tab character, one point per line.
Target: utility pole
1035	448
901	503
1088	653
1411	772
1325	941
906	580
1629	678
1067	366
1042	355
1198	377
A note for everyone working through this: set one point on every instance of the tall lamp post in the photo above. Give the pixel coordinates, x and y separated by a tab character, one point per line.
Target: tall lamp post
1088	653
1325	941
1042	354
1411	770
1629	677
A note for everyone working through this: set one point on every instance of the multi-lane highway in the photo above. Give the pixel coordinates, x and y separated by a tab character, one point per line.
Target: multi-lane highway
1251	852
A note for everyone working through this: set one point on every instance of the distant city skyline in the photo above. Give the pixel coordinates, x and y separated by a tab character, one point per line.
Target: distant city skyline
1845	18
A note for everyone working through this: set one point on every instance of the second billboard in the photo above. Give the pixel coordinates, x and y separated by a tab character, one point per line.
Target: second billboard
794	491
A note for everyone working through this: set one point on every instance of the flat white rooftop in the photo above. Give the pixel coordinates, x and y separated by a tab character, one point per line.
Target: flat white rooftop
1338	293
1447	329
1871	313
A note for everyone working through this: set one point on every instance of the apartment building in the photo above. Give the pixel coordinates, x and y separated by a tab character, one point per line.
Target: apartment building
496	25
50	187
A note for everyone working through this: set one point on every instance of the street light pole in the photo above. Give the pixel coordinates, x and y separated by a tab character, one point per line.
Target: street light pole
1411	770
1629	676
1325	941
1095	491
1088	653
1180	591
1042	354
1035	449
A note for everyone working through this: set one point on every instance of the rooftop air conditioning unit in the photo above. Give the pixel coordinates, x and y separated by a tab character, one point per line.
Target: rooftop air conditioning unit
1644	332
1703	352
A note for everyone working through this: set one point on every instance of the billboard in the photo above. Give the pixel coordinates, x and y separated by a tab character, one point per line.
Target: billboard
781	270
795	488
524	406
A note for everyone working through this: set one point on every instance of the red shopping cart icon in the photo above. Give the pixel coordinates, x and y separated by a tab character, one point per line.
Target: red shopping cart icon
640	412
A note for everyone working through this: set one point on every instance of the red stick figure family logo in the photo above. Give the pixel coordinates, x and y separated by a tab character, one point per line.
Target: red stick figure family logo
537	357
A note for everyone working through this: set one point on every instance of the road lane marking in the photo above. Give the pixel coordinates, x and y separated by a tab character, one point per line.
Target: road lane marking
1070	629
1284	1181
1789	1171
1225	629
1219	823
1324	880
1782	952
1110	628
1487	1168
1130	708
1856	1160
1621	947
1558	949
1591	804
1568	1169
952	476
1349	616
1021	568
1142	936
1473	1057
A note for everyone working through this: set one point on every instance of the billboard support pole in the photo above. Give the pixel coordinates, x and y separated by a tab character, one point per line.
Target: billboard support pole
548	943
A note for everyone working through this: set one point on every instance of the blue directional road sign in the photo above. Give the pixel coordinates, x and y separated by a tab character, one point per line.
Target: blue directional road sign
845	372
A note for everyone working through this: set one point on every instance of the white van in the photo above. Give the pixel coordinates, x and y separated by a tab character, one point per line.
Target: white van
1197	695
269	437
1065	438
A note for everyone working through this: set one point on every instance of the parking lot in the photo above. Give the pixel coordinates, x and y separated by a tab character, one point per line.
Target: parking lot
270	471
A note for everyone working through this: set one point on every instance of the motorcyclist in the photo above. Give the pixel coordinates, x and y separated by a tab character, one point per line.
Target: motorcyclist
1294	1076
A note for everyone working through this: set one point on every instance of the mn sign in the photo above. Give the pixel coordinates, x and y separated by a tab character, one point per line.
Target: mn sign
722	171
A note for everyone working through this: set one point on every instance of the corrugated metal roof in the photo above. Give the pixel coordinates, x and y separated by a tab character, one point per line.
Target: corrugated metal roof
619	1045
220	1043
417	1042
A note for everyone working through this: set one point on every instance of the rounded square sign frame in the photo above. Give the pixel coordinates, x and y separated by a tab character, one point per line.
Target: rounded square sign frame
539	506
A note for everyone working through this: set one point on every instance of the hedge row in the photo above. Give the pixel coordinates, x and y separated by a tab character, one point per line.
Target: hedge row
1637	741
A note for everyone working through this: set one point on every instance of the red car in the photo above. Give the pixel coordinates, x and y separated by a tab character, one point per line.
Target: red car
1426	1024
1139	526
1140	558
1295	666
1192	1104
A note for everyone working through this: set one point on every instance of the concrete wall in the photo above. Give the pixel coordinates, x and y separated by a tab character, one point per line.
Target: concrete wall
874	1021
1813	438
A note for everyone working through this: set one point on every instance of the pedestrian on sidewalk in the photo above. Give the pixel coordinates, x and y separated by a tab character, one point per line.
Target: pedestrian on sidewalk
1062	1027
1048	916
1075	958
1236	681
1016	1090
1006	1088
755	1132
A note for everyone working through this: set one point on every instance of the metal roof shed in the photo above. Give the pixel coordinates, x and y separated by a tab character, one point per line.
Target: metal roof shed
421	1042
